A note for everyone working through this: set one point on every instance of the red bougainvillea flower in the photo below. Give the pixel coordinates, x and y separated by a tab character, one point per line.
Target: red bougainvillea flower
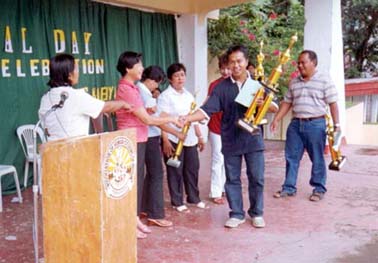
276	52
242	22
294	74
294	63
245	31
272	16
251	37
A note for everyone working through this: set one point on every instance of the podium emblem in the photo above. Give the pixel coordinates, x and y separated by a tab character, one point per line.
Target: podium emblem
118	169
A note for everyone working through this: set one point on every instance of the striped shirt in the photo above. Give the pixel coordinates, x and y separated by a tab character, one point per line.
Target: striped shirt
310	99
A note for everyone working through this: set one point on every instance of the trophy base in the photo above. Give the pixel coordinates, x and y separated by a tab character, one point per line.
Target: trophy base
173	162
336	166
263	122
245	126
249	127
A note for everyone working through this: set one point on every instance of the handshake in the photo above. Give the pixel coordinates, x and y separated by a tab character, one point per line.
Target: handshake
183	120
180	121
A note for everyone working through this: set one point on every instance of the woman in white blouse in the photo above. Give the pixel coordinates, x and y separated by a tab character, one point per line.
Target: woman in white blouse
176	101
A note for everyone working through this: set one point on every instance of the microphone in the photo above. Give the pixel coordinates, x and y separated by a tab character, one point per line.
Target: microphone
63	97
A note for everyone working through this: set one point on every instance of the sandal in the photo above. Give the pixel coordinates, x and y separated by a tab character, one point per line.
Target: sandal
316	196
140	234
283	194
142	227
159	222
218	200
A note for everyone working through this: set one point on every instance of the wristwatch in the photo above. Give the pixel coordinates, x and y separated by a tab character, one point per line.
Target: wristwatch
337	125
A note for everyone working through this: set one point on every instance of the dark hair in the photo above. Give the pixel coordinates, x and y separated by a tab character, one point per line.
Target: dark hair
155	73
222	60
175	67
311	55
237	48
60	68
156	90
127	60
250	64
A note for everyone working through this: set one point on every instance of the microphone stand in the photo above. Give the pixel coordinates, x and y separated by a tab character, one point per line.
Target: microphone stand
35	179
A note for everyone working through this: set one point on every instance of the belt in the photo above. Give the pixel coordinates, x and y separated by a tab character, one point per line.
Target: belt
309	119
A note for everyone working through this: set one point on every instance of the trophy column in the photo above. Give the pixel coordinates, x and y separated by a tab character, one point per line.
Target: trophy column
174	160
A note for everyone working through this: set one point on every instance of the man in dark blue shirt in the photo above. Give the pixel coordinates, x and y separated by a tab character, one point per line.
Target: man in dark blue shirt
237	142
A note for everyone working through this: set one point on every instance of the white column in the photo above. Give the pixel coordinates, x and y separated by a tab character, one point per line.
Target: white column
192	48
323	34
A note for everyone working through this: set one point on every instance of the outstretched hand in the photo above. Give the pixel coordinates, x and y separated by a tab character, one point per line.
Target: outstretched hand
184	119
178	122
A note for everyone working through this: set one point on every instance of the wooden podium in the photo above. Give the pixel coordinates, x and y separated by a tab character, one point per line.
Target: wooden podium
89	198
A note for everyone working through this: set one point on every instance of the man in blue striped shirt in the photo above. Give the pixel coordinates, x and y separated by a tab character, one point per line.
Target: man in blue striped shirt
308	96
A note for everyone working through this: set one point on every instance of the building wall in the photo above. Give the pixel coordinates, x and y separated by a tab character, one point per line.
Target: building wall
192	49
364	91
356	132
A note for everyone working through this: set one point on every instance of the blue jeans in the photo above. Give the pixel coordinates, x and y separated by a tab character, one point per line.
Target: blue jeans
309	135
233	187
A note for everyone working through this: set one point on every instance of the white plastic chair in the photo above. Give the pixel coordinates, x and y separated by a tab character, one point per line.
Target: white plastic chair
7	169
25	135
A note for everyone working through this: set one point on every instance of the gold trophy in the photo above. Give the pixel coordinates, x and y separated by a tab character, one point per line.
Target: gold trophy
259	70
250	122
174	160
334	142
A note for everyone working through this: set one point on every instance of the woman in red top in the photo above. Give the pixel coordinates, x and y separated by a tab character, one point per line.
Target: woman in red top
218	174
131	68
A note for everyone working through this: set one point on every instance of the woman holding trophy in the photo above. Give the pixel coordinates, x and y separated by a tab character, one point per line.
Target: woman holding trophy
183	170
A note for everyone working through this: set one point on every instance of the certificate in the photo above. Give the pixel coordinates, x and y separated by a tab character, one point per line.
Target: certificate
247	92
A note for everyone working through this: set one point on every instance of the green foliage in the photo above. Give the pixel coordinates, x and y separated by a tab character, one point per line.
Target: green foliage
360	36
271	21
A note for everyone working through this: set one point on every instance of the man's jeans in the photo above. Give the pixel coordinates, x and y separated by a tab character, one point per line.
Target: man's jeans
309	135
233	187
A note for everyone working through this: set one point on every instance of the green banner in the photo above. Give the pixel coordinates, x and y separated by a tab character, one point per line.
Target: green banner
96	34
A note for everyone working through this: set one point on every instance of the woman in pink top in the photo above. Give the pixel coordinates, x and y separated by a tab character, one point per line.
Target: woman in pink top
131	68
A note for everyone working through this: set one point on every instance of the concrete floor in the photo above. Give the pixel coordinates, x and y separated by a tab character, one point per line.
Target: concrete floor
342	228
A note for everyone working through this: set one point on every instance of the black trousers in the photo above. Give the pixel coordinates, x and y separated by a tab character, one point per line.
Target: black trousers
141	153
153	196
185	175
